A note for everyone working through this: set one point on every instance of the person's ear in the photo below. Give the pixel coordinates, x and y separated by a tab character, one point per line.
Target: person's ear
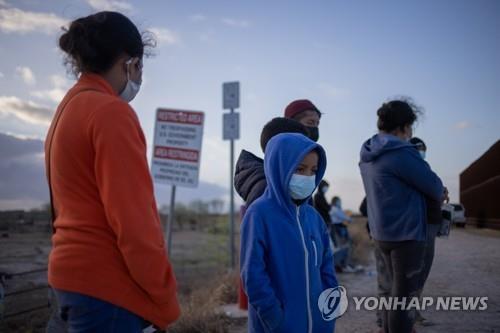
136	63
409	131
135	68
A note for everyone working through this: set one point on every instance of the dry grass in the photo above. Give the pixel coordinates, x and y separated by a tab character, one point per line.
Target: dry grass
362	245
200	306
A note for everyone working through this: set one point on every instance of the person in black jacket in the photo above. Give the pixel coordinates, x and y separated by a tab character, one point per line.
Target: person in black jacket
249	178
300	116
321	204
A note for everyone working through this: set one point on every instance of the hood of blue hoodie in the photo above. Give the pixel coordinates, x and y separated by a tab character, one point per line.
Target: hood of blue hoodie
380	144
283	154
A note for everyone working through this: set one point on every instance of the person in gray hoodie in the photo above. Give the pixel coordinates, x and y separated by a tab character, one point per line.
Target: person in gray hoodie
397	181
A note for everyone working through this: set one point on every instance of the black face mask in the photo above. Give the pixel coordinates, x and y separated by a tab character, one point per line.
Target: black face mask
313	133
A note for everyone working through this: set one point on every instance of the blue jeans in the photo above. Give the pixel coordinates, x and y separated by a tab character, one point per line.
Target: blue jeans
85	314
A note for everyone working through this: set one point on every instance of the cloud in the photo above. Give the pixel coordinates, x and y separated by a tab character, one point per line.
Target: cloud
22	172
26	74
25	110
236	23
59	81
1	75
23	181
14	20
56	94
197	18
164	35
16	147
114	5
461	125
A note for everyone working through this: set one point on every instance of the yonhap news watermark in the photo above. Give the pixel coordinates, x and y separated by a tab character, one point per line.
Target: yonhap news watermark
334	302
438	303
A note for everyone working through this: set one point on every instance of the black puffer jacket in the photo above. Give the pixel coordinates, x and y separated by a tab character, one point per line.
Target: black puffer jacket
249	178
321	205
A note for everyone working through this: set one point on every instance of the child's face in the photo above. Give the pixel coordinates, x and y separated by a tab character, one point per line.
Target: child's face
309	165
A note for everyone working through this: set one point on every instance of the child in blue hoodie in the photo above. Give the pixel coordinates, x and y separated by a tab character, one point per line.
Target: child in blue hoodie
286	260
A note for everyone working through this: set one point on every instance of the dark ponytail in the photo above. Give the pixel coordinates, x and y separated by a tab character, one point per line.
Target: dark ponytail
94	43
397	114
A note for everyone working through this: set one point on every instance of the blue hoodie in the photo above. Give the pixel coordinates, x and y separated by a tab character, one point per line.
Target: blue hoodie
396	181
286	260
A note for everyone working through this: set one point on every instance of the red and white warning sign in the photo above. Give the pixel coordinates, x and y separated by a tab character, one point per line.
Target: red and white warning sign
177	147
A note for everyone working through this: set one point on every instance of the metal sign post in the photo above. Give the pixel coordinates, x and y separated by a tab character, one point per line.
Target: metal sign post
171	219
176	154
231	132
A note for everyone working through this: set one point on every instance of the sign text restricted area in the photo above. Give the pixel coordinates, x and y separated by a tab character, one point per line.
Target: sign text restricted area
177	147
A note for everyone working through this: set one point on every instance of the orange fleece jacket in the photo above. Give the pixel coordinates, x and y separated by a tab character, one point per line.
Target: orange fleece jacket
108	242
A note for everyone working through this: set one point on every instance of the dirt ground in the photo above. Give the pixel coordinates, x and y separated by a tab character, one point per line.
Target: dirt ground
466	264
198	257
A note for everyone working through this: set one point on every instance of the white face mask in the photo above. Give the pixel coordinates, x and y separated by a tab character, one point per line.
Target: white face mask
301	186
131	88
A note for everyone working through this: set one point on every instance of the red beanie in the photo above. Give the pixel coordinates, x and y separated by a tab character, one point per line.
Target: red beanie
299	106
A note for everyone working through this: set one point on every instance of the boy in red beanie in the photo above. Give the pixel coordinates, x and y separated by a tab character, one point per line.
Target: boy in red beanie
306	113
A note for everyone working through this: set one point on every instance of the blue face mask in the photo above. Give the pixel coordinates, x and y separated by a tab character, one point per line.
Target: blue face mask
422	153
301	186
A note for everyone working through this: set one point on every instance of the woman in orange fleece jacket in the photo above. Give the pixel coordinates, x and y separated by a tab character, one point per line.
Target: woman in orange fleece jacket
108	265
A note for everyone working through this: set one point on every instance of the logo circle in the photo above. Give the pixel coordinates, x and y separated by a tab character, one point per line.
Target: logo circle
332	303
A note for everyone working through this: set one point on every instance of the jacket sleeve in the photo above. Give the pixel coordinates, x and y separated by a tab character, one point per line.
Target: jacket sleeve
126	190
249	178
254	274
322	206
417	173
327	266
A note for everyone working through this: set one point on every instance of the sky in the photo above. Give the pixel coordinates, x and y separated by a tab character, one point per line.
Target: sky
348	57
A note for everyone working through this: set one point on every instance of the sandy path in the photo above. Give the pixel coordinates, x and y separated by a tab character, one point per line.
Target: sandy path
466	264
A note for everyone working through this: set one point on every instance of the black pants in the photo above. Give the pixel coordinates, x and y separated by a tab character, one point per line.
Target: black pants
404	262
432	231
